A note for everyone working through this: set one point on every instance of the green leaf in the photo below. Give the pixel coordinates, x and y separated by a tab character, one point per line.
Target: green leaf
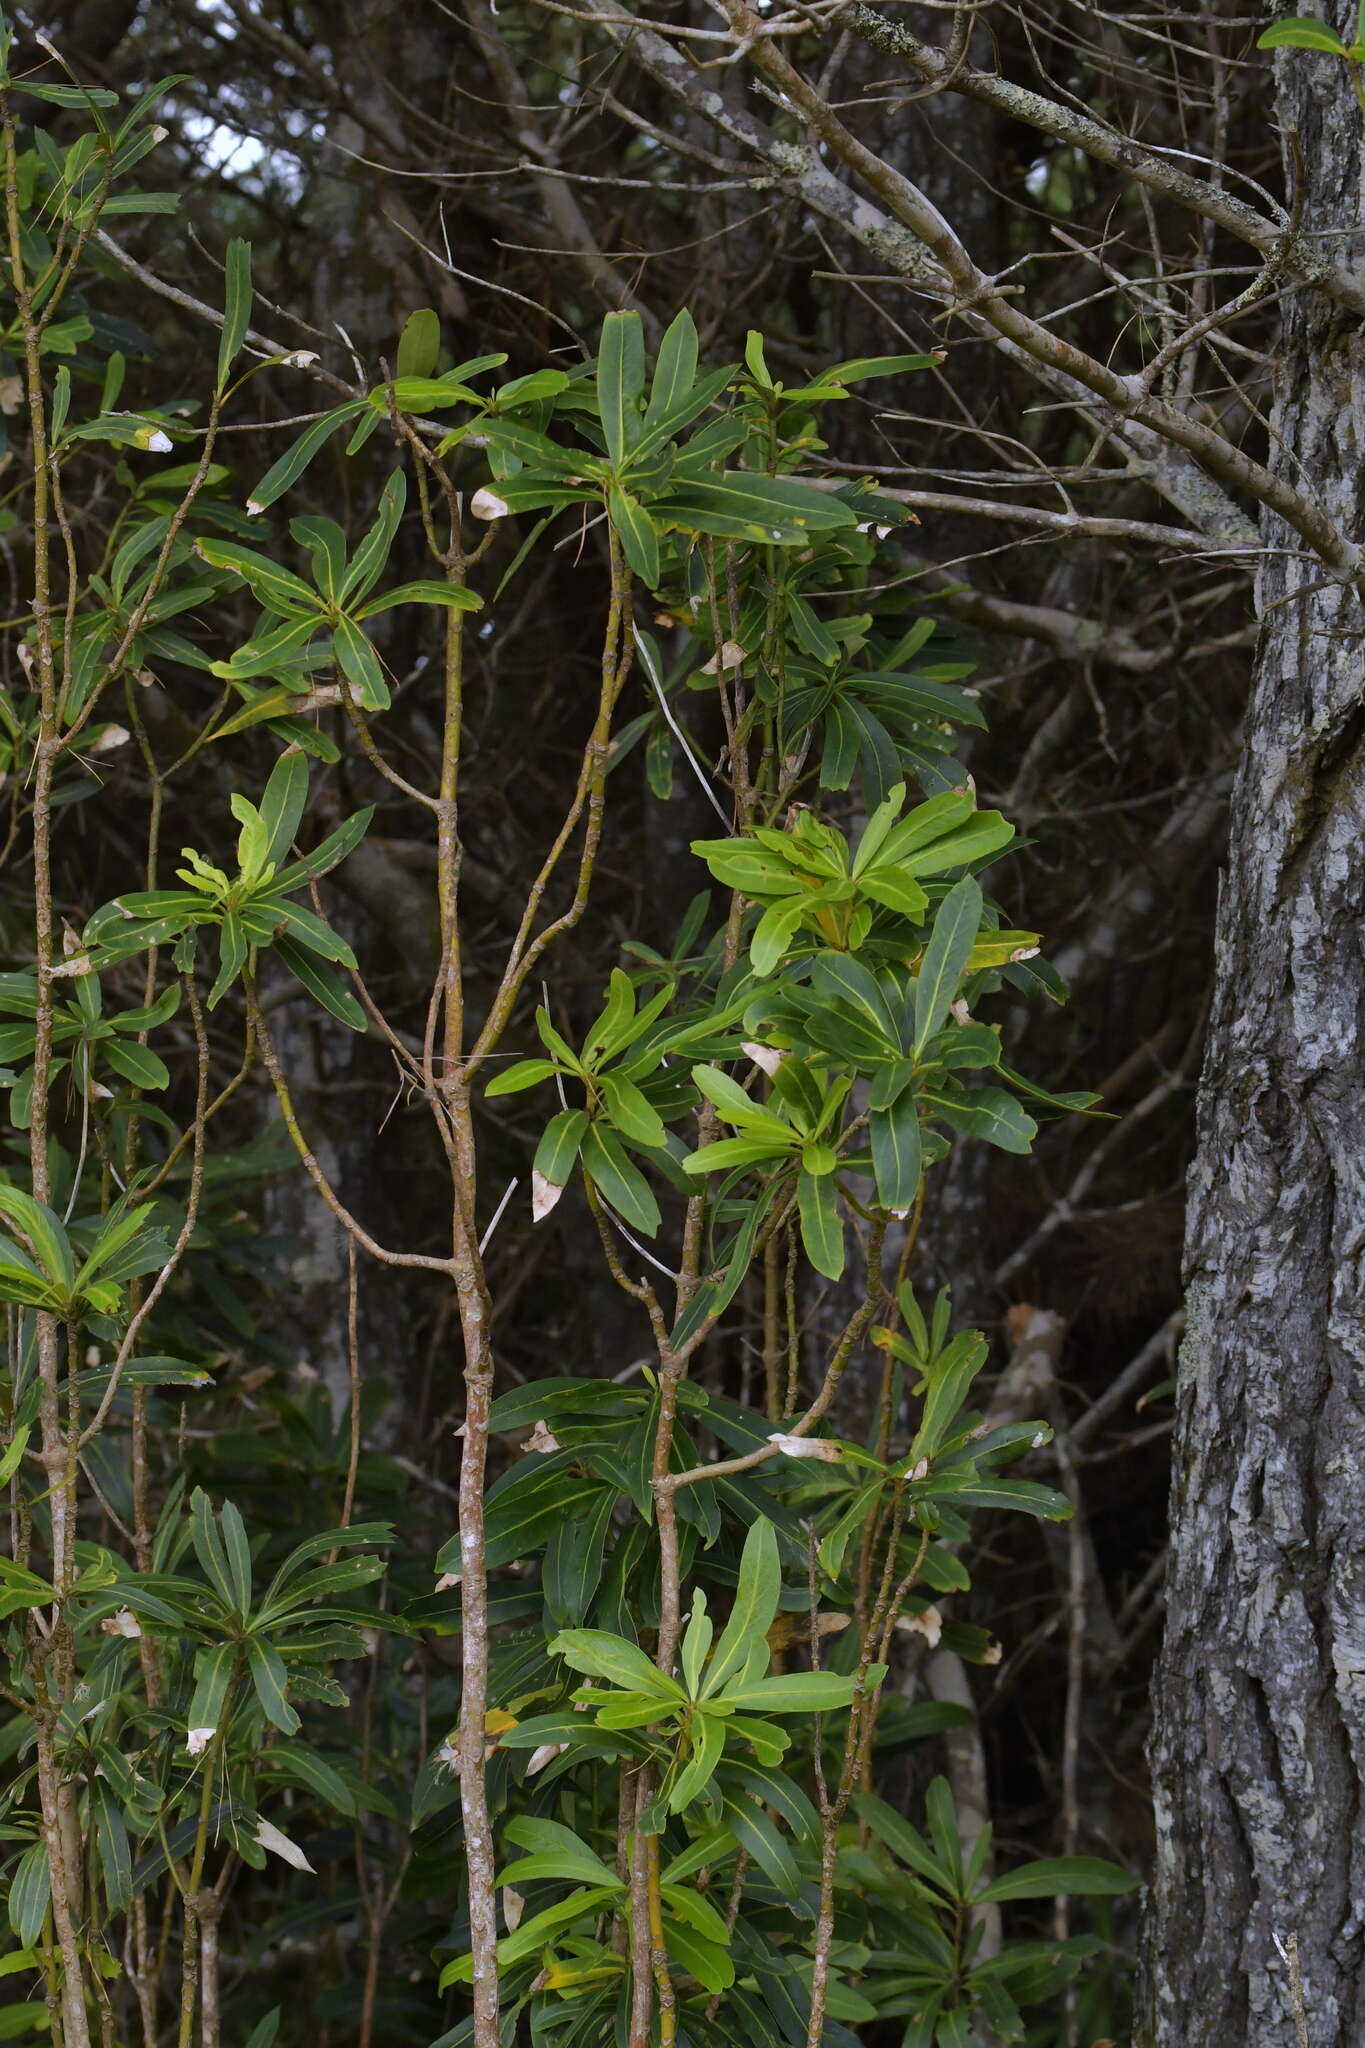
573	1558
326	545
895	890
621	382
213	1670
282	804
550	1838
270	1679
528	390
28	1895
111	1837
210	1550
80	97
621	1182
560	1144
45	1232
1024	1495
360	665
522	1074
822	1231
638	535
14	1452
738	1107
862	367
755	362
617	1024
1075	1876
696	1642
304	1767
599	1654
232	952
757	1832
370	557
956	924
269	917
237	312
694	1910
296	459
322	983
904	1841
419	345
774	933
426	590
675	368
897	1152
277	651
949	1382
988	1113
878	828
797	1692
842	747
738	505
327	1540
533	1933
926	822
237	1552
757	1592
277	588
1301	32
124	1247
631	1111
845	980
987	832
728	1152
707	1961
61	402
333	849
662	426
424	394
21	1589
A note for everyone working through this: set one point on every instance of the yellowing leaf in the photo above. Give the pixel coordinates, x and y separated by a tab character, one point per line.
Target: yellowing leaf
997	949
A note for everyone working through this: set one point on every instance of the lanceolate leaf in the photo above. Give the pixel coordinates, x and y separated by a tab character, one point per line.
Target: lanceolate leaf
325	986
1078	1876
945	957
621	382
822	1232
291	465
638	534
360	665
453	596
277	588
897	1152
624	1186
675	369
740	506
756	1598
237	314
28	1895
269	1678
620	1663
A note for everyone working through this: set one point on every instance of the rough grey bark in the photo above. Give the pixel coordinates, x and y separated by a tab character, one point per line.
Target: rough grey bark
1260	1700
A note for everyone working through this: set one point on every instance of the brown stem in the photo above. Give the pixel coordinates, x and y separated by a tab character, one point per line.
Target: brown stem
641	1956
63	1881
210	2024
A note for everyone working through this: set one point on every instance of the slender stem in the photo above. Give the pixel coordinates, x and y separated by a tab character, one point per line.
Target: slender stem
663	1982
641	1947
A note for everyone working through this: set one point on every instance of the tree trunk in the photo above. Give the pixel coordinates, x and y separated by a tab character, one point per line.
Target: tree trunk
1255	1926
